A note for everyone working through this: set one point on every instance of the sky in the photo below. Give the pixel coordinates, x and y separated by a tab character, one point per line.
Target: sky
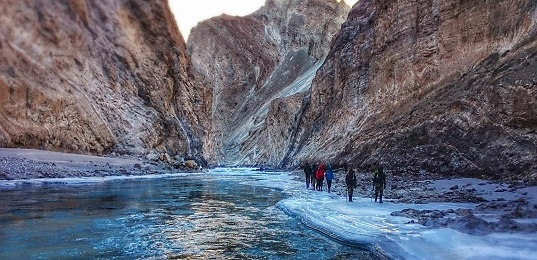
189	12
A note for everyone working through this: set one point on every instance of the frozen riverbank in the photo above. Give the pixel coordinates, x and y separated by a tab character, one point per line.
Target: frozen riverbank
498	221
24	164
367	224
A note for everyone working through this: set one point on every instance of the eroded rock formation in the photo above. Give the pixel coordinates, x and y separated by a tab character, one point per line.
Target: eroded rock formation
253	60
423	87
99	76
446	87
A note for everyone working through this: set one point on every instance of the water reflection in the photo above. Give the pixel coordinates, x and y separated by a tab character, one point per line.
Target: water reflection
198	216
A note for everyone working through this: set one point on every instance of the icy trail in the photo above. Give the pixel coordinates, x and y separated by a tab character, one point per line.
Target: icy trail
368	224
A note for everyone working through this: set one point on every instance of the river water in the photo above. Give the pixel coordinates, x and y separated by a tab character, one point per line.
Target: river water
218	215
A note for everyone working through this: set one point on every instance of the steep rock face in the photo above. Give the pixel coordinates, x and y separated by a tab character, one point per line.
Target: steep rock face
277	132
94	77
250	61
445	87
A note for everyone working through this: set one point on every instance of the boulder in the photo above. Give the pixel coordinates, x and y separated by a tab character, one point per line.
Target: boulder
179	159
152	156
165	157
191	164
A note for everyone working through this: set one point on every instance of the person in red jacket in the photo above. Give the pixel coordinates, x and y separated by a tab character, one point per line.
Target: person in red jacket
319	176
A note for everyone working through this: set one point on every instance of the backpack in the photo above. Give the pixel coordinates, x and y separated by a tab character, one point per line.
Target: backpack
350	179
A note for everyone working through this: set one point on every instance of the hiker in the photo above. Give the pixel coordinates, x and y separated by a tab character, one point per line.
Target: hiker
319	176
308	171
350	180
379	181
313	177
329	174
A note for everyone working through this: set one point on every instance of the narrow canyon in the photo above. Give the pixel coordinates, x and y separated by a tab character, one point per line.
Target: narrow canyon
446	88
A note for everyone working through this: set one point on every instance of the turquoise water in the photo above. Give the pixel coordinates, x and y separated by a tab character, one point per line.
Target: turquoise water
216	216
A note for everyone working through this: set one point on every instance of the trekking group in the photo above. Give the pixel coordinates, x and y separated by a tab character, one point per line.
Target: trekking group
316	174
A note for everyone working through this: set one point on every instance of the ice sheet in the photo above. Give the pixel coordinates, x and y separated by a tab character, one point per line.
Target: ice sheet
368	224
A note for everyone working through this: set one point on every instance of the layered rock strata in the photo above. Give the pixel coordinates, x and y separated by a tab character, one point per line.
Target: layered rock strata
99	76
446	87
251	61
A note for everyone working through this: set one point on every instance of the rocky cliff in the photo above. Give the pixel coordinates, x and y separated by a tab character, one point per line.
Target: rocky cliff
99	76
251	61
427	87
423	87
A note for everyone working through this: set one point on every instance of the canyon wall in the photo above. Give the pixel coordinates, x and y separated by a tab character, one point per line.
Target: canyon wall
251	61
420	86
100	76
427	87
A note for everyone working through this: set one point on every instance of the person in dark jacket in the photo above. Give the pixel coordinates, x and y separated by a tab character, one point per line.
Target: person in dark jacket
350	180
308	171
319	176
379	182
329	174
313	177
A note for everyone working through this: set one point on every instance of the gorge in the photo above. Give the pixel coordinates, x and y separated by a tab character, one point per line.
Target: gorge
423	87
129	134
251	61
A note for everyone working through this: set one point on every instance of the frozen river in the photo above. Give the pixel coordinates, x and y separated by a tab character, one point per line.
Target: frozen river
226	214
222	214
